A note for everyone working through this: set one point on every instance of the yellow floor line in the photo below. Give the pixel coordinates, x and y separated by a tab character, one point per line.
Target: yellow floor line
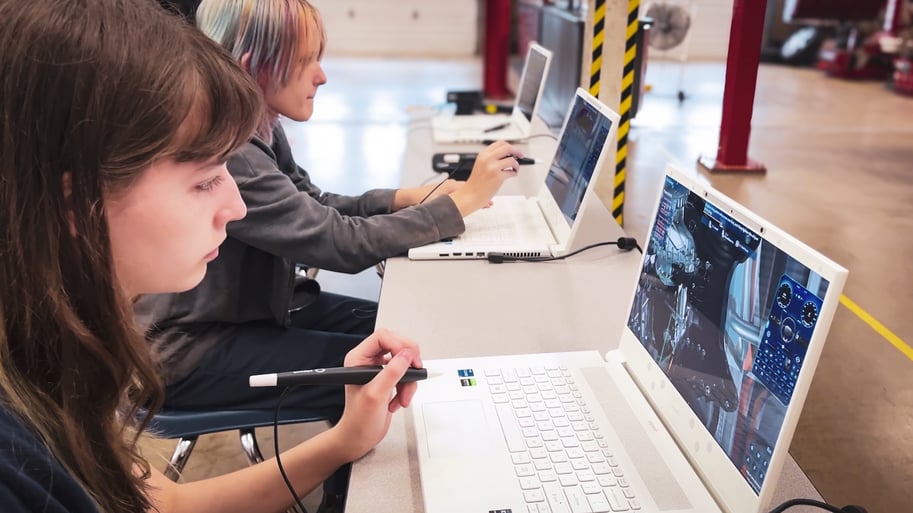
879	328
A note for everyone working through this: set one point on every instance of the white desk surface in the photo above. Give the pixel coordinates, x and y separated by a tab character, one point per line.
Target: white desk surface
473	308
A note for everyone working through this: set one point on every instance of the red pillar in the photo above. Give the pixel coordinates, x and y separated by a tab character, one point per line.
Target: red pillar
742	62
497	46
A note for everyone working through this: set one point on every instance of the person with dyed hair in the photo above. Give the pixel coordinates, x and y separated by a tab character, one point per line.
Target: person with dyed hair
112	185
252	314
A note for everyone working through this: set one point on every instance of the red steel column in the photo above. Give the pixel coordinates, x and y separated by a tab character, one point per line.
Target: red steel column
497	46
742	62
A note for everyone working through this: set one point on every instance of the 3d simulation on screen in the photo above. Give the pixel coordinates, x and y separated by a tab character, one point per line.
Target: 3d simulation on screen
576	156
728	317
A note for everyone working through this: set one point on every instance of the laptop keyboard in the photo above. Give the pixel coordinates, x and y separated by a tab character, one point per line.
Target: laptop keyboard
512	222
562	461
487	225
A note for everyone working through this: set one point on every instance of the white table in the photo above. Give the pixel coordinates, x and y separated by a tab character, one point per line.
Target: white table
473	308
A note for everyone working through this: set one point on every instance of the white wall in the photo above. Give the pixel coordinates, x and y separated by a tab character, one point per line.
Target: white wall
710	30
449	28
422	28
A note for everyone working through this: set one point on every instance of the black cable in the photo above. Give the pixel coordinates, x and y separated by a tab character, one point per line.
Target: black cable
623	243
285	478
818	504
436	187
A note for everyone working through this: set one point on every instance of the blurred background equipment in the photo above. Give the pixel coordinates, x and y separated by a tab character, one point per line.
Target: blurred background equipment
854	35
668	38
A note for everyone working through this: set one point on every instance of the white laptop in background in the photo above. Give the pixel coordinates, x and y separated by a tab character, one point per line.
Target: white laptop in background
693	412
516	126
544	225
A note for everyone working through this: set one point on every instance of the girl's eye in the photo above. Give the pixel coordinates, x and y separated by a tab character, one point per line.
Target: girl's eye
210	184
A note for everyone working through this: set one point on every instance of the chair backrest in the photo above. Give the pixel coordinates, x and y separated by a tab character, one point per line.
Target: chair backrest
180	424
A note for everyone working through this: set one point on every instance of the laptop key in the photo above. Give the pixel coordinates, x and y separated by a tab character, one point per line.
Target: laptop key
594	457
580	464
606	480
587	475
533	496
602	469
554	495
617	500
525	470
511	430
591	487
577	500
529	483
547	476
563	468
538	453
567	479
598	502
520	458
550	436
543	464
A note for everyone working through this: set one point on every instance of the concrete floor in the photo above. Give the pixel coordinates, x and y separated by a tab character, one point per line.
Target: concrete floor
840	177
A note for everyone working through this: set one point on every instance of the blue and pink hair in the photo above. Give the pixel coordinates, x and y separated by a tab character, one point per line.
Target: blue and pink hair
268	35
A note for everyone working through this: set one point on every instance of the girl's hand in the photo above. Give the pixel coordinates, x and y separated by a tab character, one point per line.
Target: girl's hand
369	407
493	165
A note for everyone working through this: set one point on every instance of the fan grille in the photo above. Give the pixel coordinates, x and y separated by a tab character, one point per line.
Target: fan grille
670	25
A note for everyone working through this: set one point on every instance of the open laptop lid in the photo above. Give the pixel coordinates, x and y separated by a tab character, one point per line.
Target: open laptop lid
532	82
587	136
727	324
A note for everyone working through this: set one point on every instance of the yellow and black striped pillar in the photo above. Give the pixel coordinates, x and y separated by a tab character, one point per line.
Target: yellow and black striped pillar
598	39
627	91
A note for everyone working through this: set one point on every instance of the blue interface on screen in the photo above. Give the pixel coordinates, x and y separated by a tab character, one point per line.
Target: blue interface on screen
728	317
576	156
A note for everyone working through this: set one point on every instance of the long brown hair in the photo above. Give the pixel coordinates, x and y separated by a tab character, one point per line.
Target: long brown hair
92	93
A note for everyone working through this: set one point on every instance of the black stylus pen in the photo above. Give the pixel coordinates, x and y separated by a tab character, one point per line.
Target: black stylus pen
496	127
332	376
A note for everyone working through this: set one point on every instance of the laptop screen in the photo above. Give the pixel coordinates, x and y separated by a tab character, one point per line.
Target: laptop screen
727	316
532	81
576	156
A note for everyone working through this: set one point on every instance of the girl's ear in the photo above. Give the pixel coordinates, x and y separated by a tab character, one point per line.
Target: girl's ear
261	77
245	62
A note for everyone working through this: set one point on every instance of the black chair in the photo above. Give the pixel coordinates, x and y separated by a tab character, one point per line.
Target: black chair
188	426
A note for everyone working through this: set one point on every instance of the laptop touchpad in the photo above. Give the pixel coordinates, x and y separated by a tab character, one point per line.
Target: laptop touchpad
453	428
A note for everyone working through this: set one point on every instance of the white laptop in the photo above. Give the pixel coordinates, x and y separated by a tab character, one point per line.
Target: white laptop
693	412
449	128
547	224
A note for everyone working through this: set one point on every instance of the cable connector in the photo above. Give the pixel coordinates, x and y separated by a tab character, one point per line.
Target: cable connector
626	243
496	258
